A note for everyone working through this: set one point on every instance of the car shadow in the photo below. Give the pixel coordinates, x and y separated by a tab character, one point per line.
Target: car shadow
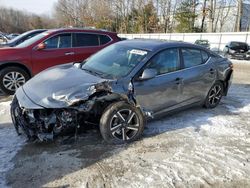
38	164
4	97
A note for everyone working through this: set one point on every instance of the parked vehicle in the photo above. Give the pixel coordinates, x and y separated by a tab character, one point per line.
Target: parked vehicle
47	49
3	39
237	50
119	87
21	38
204	43
13	35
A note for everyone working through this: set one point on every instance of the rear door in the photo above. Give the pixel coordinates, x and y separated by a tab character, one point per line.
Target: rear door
58	50
162	91
86	44
198	75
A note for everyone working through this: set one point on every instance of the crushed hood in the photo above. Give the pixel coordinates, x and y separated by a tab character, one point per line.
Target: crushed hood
62	86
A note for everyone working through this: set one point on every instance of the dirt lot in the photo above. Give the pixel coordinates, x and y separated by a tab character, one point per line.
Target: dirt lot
194	148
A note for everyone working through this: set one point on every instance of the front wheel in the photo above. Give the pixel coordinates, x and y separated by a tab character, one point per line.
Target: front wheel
214	95
121	123
11	78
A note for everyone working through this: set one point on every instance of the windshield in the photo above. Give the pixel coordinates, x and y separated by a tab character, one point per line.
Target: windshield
19	37
115	61
239	45
32	40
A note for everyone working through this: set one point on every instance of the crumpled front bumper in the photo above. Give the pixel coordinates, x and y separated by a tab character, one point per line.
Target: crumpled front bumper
18	119
40	123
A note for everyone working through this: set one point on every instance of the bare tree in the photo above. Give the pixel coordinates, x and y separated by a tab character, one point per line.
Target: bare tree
238	15
15	21
71	12
211	14
204	14
165	11
224	16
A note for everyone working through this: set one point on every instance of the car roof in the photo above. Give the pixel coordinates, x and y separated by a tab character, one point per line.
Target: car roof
80	30
152	45
238	42
35	30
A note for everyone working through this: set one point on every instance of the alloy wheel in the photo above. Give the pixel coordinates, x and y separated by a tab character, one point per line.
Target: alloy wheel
13	80
124	124
215	95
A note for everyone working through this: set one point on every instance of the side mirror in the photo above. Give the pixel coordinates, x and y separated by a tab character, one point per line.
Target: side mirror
77	65
148	74
41	46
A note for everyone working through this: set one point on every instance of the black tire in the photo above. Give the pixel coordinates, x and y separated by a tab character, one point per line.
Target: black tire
132	123
214	95
21	74
14	105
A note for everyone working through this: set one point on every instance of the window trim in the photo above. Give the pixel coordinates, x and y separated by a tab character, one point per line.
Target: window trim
182	68
139	72
182	58
74	38
54	36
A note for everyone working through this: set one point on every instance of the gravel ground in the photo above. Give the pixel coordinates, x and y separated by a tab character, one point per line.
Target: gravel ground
194	148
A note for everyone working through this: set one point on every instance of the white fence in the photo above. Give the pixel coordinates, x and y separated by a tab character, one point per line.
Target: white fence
217	40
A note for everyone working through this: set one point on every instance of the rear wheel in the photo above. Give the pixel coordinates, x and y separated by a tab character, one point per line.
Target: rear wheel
11	78
121	123
214	95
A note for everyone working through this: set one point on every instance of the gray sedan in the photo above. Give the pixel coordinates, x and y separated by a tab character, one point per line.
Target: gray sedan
119	88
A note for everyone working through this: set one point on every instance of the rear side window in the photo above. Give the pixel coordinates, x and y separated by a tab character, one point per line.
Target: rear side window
82	39
192	57
59	41
104	39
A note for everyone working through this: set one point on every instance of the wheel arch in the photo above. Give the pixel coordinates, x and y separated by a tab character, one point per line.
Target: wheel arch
227	81
16	64
101	100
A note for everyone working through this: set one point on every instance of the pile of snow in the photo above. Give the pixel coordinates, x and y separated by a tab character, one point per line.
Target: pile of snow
5	108
10	143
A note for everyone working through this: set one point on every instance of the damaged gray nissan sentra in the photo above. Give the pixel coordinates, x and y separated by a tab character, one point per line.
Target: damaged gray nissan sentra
119	88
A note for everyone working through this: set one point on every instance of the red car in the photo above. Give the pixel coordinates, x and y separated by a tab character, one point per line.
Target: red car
50	48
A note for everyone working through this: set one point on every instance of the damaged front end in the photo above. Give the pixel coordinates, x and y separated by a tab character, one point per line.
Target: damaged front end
43	124
75	110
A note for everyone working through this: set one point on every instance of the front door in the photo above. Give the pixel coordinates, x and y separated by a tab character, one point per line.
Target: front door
58	50
162	91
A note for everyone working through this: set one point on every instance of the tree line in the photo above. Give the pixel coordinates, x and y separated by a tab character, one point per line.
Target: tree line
129	16
15	21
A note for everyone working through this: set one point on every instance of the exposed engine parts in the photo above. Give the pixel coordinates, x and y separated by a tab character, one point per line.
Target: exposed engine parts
43	124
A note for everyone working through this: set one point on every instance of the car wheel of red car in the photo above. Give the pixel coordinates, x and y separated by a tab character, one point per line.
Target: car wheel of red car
12	78
121	123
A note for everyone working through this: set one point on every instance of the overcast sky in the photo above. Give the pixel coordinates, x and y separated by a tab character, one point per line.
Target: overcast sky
34	6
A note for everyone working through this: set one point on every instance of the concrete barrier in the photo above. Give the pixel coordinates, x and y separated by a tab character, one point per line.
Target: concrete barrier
217	40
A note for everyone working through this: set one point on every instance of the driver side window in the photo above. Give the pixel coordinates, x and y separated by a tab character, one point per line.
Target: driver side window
59	41
165	61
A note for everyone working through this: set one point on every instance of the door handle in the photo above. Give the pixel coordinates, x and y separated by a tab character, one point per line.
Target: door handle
69	53
212	71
